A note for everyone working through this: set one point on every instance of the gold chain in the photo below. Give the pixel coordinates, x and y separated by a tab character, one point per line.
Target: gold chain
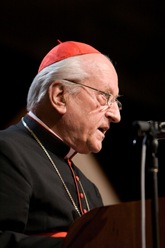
57	171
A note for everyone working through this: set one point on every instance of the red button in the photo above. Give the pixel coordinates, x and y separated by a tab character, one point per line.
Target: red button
77	178
85	211
81	195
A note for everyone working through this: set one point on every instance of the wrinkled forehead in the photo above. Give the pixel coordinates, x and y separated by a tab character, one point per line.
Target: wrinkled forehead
101	73
100	69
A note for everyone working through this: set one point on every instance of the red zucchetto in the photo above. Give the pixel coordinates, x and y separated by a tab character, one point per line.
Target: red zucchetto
65	50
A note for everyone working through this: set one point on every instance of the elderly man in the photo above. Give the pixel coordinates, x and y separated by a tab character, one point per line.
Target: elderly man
70	105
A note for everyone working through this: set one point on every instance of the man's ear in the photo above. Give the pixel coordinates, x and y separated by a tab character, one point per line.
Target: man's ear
56	96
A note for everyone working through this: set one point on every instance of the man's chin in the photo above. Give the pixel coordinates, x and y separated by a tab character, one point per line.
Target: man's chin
97	148
90	148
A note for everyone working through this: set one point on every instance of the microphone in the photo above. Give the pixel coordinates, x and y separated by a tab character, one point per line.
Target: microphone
155	128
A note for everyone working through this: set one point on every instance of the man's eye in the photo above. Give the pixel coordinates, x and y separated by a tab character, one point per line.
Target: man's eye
102	99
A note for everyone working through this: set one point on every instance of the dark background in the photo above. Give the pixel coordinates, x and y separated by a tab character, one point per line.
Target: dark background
130	32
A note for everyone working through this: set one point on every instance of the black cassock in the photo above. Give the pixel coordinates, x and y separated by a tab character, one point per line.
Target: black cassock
33	200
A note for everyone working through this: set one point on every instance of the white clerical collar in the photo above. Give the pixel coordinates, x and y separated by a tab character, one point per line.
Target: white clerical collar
71	152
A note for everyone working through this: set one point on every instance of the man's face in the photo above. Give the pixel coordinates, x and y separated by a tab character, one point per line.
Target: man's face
88	116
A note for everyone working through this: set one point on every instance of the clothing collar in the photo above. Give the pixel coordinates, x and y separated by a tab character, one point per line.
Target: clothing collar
49	138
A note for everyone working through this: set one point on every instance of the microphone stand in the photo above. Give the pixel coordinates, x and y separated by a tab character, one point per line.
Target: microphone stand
152	130
154	199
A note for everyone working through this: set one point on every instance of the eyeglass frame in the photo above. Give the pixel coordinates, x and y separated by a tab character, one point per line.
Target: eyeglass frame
105	94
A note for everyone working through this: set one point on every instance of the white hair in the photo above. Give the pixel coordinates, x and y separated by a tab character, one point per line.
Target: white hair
72	69
69	68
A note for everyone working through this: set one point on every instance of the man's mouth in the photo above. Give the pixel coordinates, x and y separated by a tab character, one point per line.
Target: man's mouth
103	130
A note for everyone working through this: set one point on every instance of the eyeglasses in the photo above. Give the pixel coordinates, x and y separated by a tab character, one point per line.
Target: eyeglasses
110	99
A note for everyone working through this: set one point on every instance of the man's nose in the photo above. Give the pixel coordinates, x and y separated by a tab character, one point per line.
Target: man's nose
113	112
